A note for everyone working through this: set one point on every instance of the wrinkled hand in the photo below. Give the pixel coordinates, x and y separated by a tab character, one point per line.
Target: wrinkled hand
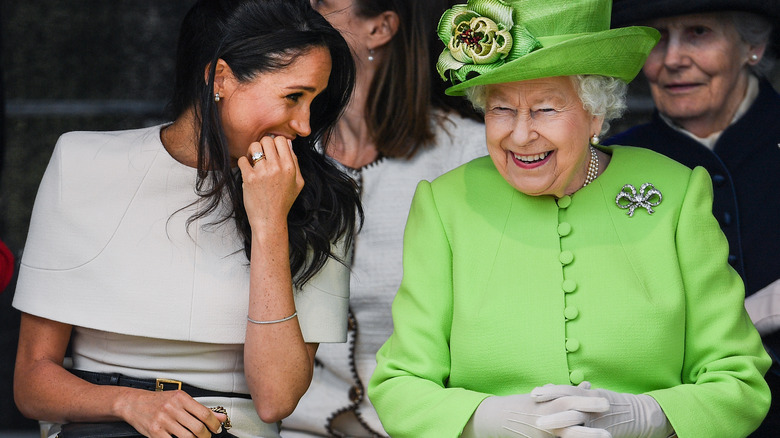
273	183
516	415
169	413
628	415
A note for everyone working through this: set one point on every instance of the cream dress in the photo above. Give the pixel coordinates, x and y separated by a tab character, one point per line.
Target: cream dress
109	252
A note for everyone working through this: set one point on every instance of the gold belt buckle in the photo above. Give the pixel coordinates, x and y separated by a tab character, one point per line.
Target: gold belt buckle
158	384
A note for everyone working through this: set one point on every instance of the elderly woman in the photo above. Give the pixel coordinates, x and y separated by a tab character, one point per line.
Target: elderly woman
557	287
716	109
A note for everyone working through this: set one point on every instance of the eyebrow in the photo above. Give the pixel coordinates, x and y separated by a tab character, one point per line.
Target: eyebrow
551	94
301	87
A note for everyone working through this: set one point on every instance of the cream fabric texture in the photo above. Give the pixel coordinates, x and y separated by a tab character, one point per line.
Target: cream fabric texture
109	252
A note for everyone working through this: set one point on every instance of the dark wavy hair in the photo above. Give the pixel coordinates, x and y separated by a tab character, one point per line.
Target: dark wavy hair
255	37
406	89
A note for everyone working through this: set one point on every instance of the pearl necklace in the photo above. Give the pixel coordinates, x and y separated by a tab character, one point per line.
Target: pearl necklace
593	167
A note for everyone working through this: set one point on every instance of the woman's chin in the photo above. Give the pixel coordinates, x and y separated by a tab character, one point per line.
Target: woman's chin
532	188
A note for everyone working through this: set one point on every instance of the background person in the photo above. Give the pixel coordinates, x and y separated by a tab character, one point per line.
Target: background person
166	254
558	288
715	108
399	128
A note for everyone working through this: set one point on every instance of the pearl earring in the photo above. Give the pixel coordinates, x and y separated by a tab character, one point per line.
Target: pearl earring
753	57
594	140
371	55
216	97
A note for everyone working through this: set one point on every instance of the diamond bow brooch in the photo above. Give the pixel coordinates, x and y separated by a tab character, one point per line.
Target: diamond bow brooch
648	197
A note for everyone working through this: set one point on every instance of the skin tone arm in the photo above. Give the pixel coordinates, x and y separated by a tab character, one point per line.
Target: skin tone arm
43	389
278	364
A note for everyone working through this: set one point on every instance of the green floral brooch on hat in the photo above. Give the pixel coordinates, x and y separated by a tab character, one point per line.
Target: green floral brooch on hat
480	36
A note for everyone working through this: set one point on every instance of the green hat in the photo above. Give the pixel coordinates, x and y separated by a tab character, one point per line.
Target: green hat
495	41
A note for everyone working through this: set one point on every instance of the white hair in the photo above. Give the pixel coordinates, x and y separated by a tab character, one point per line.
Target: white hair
755	30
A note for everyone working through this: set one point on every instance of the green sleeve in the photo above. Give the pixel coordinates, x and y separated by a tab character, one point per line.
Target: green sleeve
409	386
723	392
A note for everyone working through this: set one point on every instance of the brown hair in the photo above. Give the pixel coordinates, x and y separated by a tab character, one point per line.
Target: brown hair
406	91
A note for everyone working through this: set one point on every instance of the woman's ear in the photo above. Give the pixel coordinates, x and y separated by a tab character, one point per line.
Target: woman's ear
755	53
383	28
221	75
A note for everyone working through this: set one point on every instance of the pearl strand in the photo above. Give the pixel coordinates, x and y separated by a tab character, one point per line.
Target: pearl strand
593	167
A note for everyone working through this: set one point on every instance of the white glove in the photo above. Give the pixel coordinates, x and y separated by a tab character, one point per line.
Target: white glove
763	307
515	416
628	416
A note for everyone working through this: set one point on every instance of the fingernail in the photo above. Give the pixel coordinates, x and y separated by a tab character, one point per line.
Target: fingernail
219	430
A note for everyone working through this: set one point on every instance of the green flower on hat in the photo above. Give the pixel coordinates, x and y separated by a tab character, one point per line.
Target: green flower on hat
480	40
480	36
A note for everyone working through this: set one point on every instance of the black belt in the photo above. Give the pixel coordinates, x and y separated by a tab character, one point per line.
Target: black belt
116	379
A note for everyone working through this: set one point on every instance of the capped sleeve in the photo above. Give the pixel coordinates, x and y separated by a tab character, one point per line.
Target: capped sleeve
323	302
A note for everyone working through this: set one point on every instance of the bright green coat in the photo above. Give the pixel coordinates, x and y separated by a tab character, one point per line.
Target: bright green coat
503	292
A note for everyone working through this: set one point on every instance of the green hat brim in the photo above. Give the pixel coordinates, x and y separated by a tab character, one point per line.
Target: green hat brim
618	53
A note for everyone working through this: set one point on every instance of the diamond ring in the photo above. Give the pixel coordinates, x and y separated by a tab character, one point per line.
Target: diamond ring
257	156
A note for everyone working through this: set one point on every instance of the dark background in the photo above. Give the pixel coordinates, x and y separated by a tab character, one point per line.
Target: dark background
90	65
70	65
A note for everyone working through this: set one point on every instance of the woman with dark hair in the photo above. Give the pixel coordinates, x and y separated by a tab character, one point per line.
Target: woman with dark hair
398	129
207	256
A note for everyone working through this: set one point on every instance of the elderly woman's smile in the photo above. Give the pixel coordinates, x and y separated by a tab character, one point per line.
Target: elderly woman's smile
531	160
537	134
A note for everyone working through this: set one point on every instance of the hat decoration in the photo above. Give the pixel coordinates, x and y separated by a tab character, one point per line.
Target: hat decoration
479	36
499	41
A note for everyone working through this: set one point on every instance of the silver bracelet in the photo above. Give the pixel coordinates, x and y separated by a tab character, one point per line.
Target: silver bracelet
274	321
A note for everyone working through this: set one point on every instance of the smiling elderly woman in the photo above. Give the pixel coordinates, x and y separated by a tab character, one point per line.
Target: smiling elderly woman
558	287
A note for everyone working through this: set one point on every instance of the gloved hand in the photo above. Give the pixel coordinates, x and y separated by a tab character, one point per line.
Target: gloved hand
628	416
515	416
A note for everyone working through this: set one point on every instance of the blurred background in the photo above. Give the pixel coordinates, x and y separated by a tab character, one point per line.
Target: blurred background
70	65
91	65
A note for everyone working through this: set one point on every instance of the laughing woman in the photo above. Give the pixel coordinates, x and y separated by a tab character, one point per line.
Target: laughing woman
558	287
197	264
